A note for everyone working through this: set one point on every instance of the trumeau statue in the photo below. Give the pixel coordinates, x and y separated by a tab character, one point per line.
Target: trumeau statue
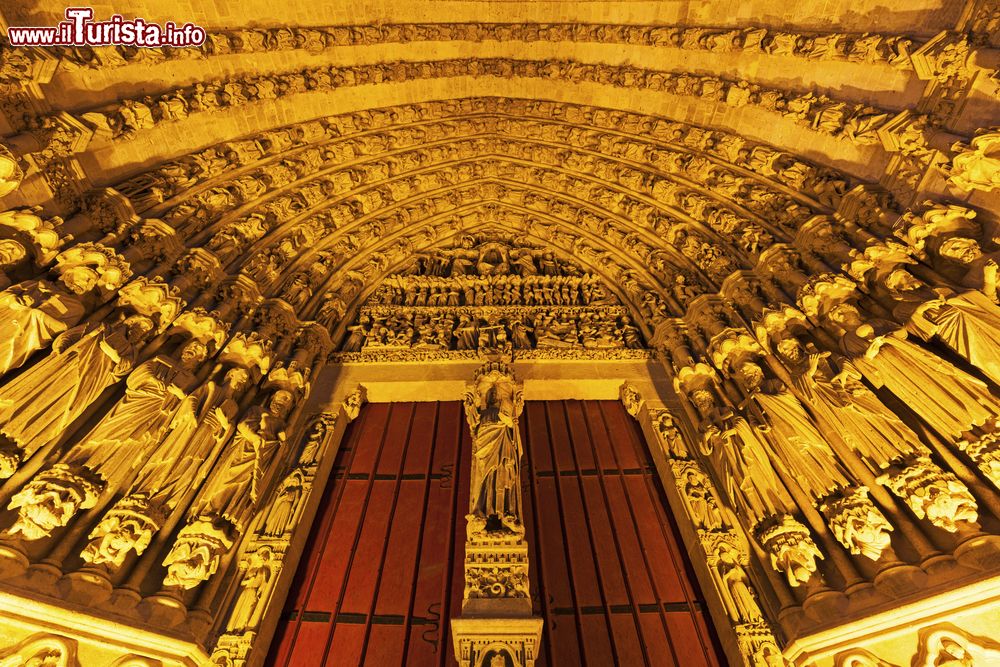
493	404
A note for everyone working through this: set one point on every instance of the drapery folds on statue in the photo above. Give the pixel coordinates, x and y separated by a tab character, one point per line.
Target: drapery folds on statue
492	407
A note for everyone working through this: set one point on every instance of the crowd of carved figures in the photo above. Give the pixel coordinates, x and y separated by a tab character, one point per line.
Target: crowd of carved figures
786	297
61	135
497	296
941	55
854	121
497	329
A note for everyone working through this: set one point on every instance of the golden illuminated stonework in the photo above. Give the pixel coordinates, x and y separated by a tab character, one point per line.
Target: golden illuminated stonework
771	231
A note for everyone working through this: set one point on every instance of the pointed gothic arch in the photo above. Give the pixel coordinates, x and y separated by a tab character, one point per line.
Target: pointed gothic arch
810	262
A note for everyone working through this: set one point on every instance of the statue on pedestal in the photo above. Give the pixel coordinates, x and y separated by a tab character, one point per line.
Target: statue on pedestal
493	404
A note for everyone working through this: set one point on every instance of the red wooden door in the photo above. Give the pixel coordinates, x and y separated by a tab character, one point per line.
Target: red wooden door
382	573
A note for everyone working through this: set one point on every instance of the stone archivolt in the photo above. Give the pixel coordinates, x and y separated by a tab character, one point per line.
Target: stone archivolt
834	438
856	122
863	48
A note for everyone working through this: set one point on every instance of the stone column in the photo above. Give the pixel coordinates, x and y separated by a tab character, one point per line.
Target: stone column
496	628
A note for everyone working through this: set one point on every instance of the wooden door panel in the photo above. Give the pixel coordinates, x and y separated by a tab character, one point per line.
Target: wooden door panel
383	571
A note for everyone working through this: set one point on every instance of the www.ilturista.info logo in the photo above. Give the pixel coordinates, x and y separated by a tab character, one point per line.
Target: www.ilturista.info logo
79	29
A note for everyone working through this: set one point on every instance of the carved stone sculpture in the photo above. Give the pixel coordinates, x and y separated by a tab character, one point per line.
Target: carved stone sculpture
933	493
857	524
38	406
949	399
977	166
234	486
200	426
842	404
791	549
492	407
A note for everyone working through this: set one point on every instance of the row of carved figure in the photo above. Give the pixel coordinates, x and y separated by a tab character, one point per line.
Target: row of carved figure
180	439
728	558
783	425
374	131
978	168
381	182
723	546
854	121
856	47
149	409
975	165
722	270
715	261
446	329
266	264
500	290
694	249
196	550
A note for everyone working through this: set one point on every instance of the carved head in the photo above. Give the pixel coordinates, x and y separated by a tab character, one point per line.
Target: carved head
237	378
703	400
42	510
903	280
749	375
119	532
353	401
190	562
138	327
193	353
281	403
791	349
846	315
81	279
11	252
961	249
